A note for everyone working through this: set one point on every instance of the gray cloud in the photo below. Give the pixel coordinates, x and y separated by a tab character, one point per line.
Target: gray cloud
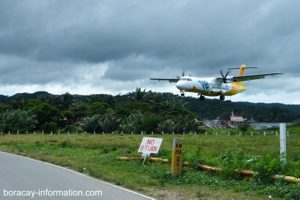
45	42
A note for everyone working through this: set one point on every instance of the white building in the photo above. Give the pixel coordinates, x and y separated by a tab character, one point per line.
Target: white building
236	118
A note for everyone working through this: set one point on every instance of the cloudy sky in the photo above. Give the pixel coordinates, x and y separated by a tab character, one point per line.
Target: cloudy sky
115	46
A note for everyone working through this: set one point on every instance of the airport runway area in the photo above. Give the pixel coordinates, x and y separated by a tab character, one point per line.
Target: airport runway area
24	178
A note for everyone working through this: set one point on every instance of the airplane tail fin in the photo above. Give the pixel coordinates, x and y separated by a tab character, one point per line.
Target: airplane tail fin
242	69
239	86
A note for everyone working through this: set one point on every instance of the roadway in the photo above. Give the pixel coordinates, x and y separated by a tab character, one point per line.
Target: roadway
21	176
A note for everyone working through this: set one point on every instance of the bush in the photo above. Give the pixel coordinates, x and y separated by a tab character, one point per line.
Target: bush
166	126
265	166
268	166
17	120
244	126
49	127
99	123
231	161
72	129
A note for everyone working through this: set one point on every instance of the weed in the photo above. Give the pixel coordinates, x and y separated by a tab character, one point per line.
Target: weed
266	166
64	144
96	155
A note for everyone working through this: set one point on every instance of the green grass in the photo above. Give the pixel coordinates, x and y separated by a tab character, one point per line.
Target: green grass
96	155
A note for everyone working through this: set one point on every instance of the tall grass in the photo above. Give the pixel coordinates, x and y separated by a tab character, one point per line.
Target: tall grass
96	155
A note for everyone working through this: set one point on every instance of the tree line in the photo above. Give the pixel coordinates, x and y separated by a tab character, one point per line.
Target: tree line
260	112
138	111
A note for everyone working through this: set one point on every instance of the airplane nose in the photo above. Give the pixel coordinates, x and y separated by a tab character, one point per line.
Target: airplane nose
180	85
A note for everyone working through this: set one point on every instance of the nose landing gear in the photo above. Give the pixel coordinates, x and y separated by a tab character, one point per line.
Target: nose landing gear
222	97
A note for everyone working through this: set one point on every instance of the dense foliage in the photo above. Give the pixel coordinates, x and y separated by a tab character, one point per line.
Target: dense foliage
136	112
261	112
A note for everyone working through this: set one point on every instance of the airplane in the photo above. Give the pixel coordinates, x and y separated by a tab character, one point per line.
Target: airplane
220	86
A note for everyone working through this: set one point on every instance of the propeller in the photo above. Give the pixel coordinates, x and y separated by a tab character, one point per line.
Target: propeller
182	74
224	77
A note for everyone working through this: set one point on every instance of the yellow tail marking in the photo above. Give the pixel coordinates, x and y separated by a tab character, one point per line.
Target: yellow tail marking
242	70
238	87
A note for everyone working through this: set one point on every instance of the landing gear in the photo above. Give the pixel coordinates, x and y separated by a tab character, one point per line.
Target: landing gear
202	98
222	97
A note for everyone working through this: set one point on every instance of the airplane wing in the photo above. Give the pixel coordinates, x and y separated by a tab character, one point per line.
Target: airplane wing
252	77
171	80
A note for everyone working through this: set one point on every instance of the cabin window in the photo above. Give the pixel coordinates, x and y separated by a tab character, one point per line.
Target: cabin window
186	79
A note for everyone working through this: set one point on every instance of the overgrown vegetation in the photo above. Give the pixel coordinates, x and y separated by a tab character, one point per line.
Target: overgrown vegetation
261	112
136	112
139	111
96	156
147	113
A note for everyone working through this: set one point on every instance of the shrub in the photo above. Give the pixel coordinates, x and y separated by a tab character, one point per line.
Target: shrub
17	120
49	127
72	129
231	161
268	166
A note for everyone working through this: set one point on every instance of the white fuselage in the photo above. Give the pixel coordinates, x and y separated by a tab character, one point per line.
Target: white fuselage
208	86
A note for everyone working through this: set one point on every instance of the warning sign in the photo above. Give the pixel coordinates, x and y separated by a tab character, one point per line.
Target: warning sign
150	145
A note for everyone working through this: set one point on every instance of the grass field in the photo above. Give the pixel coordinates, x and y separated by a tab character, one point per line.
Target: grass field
96	155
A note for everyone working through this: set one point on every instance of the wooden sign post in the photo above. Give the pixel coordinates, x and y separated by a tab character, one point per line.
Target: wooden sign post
177	157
